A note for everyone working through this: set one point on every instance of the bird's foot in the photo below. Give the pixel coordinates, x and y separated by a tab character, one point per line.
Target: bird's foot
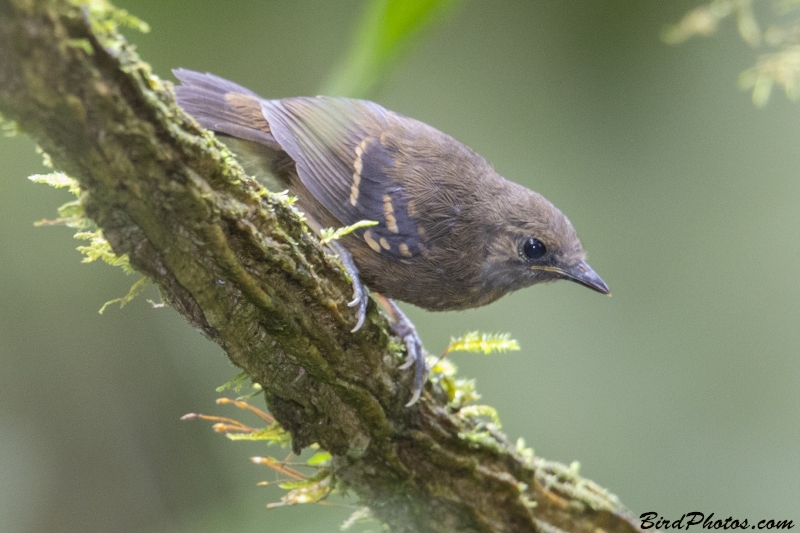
360	295
401	325
404	328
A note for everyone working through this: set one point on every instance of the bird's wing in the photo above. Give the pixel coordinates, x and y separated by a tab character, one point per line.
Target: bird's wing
223	106
344	157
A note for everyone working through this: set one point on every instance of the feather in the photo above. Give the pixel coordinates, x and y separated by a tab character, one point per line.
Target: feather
223	106
337	149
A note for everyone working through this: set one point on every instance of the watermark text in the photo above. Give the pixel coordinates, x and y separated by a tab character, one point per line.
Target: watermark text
700	520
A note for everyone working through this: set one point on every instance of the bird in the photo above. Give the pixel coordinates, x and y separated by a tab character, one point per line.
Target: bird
451	233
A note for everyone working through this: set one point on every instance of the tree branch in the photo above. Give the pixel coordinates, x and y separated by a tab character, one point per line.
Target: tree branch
240	265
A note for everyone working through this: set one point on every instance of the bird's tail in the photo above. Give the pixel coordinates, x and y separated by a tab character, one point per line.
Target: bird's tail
223	106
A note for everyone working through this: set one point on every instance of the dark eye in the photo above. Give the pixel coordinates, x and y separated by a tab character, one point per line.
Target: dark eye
533	248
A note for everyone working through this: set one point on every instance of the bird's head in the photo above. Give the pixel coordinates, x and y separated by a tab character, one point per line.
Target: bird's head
532	242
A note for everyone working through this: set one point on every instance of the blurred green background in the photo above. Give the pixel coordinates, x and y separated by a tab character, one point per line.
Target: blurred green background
681	393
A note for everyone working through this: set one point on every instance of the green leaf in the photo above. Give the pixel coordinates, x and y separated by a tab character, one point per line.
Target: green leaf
386	32
319	458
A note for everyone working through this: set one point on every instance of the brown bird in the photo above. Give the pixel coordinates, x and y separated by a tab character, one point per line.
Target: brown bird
451	233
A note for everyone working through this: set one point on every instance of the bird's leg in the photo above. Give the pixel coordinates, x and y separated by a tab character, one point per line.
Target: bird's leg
401	325
360	296
404	328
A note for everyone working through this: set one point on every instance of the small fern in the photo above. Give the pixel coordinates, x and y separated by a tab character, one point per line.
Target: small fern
486	343
333	234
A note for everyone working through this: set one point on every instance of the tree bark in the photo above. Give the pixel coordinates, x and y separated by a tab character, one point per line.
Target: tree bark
241	266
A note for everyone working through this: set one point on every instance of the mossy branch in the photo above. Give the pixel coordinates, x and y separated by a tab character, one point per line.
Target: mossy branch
239	264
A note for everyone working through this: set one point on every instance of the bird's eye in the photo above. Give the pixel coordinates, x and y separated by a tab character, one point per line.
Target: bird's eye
533	248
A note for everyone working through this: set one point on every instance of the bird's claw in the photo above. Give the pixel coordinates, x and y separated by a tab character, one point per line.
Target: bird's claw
360	295
410	356
360	301
401	325
404	328
416	357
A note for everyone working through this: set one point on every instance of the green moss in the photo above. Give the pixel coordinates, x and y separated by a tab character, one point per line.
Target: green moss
272	434
485	343
460	391
82	44
73	215
106	18
135	290
477	411
99	248
236	384
333	234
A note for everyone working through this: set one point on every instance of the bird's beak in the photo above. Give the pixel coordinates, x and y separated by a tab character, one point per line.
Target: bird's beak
582	273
